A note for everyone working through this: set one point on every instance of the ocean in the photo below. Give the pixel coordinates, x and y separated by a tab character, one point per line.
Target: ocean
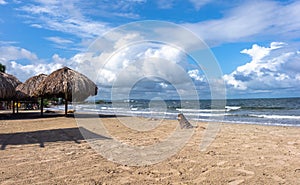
269	111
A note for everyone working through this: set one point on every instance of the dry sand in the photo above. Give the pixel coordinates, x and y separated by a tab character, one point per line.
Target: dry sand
52	151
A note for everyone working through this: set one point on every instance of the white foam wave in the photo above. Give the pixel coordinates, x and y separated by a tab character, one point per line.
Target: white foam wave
230	108
200	110
274	116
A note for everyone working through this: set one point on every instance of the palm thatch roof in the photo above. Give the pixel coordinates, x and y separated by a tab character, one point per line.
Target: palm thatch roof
68	84
28	88
8	84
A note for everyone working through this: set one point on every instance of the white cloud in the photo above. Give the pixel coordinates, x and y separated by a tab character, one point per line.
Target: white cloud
106	67
128	15
63	16
250	20
258	52
274	69
7	43
12	57
165	52
77	17
237	84
23	72
163	85
165	4
3	2
200	3
16	53
120	70
125	9
36	25
121	64
59	40
195	74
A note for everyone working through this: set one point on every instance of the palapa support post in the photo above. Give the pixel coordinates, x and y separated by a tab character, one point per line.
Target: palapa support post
66	105
17	107
13	106
42	106
65	83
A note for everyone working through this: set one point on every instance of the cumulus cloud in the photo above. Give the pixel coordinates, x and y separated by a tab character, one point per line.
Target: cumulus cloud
15	53
165	52
125	61
271	69
13	58
117	61
106	66
23	72
195	74
114	67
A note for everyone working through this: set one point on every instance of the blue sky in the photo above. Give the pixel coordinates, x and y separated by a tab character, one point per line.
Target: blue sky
256	43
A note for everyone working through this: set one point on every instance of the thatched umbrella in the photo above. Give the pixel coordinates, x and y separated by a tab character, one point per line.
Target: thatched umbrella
68	84
27	90
8	84
29	87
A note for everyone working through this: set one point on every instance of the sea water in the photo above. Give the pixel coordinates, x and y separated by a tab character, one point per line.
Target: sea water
276	111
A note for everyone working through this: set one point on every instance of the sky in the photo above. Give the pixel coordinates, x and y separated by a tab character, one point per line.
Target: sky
256	44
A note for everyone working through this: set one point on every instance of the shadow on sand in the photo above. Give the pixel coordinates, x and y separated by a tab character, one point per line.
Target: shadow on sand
43	136
36	115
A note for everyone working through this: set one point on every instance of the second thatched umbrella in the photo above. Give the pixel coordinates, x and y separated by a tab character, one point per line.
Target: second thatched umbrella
28	89
68	84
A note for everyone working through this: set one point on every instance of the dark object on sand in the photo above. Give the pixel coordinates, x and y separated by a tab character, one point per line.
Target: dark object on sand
184	123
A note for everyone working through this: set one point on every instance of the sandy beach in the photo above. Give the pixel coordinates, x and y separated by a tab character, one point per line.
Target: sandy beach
51	150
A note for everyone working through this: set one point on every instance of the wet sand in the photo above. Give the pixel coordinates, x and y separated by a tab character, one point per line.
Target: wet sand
52	151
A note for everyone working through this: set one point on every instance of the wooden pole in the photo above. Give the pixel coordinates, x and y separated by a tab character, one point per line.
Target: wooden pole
65	83
17	106
13	106
42	106
66	105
